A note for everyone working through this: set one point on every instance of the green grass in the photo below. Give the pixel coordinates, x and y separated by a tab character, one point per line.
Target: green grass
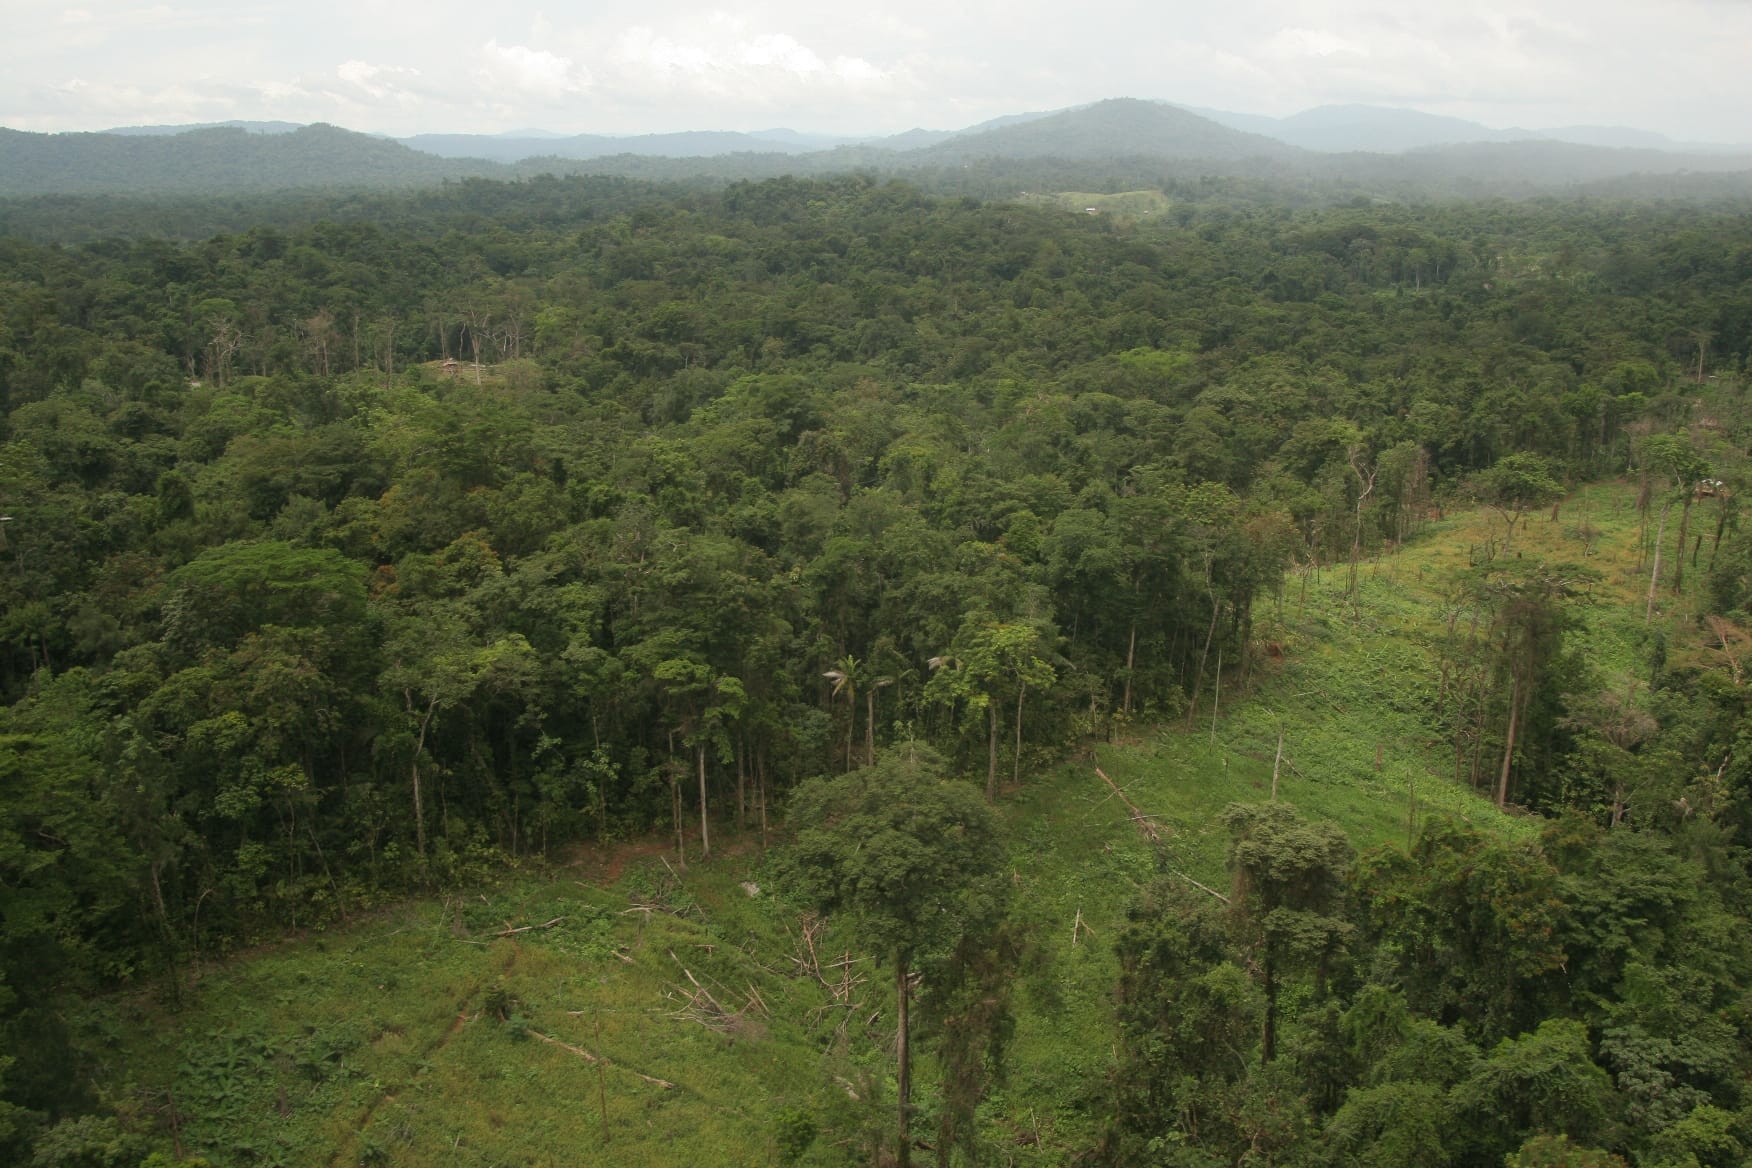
383	1042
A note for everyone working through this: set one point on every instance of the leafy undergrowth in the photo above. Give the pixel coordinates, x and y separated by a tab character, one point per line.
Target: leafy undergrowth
667	1006
664	1017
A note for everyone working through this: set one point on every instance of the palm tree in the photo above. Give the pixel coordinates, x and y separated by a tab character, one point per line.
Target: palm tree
848	675
845	678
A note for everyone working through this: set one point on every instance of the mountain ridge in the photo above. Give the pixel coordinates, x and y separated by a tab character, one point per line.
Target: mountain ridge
1130	141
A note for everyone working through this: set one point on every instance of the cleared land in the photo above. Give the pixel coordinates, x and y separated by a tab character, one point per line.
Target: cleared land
620	1007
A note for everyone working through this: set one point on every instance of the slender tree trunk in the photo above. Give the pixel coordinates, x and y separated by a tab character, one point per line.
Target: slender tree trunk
1244	634
1461	696
760	787
419	746
1475	768
1268	1039
1203	657
1411	813
1655	575
870	726
991	751
705	833
1679	560
903	1062
1644	497
1131	656
1502	792
1510	517
1277	762
1216	695
1016	769
741	782
675	773
1447	663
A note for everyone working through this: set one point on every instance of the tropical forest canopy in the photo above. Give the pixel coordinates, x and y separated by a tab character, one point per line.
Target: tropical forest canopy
367	553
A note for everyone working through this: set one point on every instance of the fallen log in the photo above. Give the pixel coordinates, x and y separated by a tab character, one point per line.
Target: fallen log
598	1059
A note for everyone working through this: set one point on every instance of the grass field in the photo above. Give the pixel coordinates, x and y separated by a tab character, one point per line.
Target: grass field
618	1010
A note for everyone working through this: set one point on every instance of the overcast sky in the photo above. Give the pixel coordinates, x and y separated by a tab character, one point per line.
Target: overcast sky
1682	67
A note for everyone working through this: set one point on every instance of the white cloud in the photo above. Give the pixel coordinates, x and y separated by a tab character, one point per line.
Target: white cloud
761	67
108	103
533	71
673	64
379	82
1311	42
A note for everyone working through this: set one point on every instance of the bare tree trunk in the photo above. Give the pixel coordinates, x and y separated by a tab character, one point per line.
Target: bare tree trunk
1502	793
903	1063
870	725
1644	496
760	787
675	773
1131	656
991	751
1216	695
705	833
1475	768
1016	769
1679	560
419	746
1277	763
1655	575
1198	678
1447	663
741	781
1268	1040
1365	488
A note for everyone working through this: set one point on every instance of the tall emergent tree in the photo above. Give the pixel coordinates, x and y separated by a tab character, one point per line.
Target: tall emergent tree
914	857
1288	897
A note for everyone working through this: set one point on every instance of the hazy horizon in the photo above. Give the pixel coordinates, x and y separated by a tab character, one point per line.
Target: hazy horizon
398	69
536	133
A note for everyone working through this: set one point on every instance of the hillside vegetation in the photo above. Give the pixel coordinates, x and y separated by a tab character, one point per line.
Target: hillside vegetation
370	580
673	1005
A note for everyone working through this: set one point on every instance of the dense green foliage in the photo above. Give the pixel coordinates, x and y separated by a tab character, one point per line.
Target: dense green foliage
349	558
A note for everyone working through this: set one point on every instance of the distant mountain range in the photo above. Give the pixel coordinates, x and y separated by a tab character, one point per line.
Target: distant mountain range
248	127
1327	129
1386	130
1372	151
517	147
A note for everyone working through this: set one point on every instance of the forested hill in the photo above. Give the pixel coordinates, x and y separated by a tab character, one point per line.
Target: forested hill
1111	129
353	560
1110	145
221	159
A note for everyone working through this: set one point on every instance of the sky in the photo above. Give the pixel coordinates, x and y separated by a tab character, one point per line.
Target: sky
1680	67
